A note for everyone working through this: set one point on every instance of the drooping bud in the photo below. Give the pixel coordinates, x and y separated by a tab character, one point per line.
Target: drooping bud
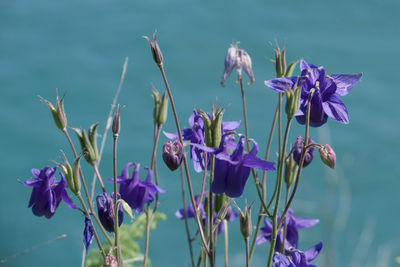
173	154
246	227
290	170
298	148
116	121
155	50
88	143
162	114
237	58
58	112
292	101
328	156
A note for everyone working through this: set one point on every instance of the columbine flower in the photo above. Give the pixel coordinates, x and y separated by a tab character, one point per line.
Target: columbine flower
233	168
173	154
298	148
239	59
105	210
135	192
47	192
326	101
195	135
292	234
87	234
297	258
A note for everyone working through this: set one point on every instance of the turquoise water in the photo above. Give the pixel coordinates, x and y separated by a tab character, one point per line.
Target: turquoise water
79	47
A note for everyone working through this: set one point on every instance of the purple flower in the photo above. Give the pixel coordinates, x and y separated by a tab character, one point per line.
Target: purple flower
105	210
297	258
326	101
135	192
233	168
292	235
47	192
87	234
195	135
298	148
173	154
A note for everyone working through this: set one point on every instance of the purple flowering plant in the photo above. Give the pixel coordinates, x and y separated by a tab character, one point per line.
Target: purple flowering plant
225	164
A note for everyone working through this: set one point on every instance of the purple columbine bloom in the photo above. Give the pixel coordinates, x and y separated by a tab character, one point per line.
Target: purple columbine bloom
135	192
87	234
105	210
297	258
195	135
292	234
232	169
297	149
47	192
325	101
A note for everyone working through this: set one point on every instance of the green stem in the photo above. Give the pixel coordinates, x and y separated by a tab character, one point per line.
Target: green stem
282	248
226	234
264	183
116	226
211	213
279	178
247	252
199	226
96	170
303	155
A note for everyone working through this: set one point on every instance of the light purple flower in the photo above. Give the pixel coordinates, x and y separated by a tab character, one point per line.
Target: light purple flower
326	101
47	192
297	258
135	192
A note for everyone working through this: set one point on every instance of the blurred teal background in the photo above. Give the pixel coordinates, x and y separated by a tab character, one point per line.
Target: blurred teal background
79	47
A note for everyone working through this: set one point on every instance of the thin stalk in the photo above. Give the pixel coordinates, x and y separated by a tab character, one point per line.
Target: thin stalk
91	223
226	242
96	170
279	178
146	243
211	213
92	213
185	215
264	182
303	155
282	248
199	226
203	184
246	240
116	226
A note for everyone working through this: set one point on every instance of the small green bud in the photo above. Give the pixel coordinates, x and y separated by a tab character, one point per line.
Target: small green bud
162	113
75	175
157	104
208	136
246	227
280	61
290	170
290	69
58	112
88	150
292	101
220	200
216	127
93	140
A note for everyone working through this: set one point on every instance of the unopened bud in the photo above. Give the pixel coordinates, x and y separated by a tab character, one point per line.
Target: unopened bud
246	227
298	148
88	143
155	50
328	156
75	176
173	154
212	127
157	104
162	113
292	101
58	113
290	170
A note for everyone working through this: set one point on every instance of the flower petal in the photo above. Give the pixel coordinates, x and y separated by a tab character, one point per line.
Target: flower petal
313	252
336	109
280	84
305	222
218	185
230	125
345	82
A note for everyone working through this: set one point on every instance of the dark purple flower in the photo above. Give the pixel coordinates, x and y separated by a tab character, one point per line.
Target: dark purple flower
195	135
105	210
233	166
298	147
292	235
297	258
47	192
87	234
135	192
173	154
326	101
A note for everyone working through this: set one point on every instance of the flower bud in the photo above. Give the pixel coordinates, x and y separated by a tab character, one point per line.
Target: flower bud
157	104
212	127
88	143
292	101
173	154
246	227
58	113
237	58
155	50
116	121
280	61
75	176
328	156
162	113
298	148
105	210
290	170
